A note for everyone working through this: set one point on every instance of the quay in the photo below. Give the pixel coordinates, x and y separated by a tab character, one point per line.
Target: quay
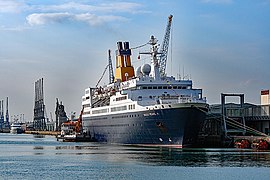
242	125
52	133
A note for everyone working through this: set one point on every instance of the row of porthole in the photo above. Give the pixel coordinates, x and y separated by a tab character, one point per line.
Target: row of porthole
135	115
161	106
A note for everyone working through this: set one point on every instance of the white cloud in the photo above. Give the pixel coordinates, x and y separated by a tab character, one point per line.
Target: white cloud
11	6
44	18
104	7
91	19
97	20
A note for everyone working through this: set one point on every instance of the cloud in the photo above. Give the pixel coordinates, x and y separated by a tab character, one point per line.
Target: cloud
104	7
44	18
91	19
97	20
217	1
16	6
10	6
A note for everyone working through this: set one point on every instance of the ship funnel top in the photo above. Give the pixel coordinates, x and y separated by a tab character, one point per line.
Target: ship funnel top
124	69
123	51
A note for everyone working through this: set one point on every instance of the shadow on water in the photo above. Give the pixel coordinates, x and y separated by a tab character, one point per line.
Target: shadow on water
47	146
160	156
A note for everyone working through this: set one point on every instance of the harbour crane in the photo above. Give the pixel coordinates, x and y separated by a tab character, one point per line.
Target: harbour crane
164	47
1	114
7	115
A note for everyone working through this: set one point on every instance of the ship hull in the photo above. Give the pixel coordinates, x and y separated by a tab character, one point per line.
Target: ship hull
165	127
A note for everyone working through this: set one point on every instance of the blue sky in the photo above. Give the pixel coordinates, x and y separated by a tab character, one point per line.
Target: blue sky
223	45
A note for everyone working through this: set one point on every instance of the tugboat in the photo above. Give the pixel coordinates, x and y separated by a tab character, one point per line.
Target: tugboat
144	108
72	131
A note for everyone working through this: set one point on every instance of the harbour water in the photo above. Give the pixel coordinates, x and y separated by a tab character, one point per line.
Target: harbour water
25	156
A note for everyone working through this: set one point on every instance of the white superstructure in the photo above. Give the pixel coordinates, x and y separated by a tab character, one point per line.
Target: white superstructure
146	90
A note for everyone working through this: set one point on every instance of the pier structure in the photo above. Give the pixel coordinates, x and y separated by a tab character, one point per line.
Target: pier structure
228	121
39	121
241	114
244	115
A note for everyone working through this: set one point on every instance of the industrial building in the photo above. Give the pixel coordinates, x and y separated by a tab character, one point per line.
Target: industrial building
254	116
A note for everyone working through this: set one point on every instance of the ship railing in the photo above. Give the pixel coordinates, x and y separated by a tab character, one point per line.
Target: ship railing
191	100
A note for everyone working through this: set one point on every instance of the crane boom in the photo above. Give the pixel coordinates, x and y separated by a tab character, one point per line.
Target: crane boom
164	47
111	76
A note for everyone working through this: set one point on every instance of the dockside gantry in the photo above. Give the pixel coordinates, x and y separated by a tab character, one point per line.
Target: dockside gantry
4	124
39	108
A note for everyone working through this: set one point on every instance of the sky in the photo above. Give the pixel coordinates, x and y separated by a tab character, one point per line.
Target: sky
222	45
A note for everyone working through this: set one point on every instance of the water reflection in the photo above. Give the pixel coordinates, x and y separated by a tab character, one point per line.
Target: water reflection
37	136
23	144
160	156
38	150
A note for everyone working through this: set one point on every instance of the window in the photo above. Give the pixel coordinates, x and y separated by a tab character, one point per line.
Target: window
119	108
121	98
86	105
99	111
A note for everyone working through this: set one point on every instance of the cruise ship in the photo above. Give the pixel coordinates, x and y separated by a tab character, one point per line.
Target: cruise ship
143	107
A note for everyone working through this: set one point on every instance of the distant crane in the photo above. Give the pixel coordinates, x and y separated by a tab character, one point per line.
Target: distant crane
164	47
1	114
7	115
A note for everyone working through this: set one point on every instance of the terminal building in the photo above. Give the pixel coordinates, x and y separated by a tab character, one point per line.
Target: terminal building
254	116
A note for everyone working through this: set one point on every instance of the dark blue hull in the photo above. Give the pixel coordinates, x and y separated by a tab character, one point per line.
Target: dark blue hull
178	126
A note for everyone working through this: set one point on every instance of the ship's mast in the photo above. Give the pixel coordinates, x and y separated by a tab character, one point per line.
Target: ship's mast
155	73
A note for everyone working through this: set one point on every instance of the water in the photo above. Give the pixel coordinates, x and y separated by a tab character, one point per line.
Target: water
25	156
